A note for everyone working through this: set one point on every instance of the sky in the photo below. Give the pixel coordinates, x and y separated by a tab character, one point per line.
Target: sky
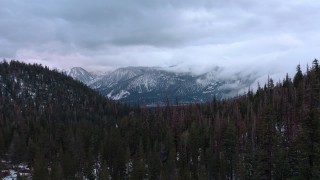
266	37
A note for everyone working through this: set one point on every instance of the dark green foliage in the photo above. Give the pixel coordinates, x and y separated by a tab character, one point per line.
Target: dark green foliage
104	172
229	148
298	78
56	171
154	162
2	144
64	130
139	163
40	170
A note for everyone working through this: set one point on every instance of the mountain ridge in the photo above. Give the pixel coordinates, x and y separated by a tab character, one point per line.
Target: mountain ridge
81	74
155	85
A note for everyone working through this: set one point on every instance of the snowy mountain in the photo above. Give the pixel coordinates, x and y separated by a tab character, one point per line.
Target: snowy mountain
82	75
149	85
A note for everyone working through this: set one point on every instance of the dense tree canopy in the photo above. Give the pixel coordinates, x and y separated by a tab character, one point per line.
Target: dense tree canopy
64	130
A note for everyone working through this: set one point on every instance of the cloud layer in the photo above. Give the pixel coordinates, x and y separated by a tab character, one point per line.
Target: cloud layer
266	37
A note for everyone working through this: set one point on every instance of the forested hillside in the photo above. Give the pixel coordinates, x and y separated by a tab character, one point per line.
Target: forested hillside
64	130
49	120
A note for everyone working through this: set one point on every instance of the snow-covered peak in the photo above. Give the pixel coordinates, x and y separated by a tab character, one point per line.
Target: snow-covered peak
81	74
154	84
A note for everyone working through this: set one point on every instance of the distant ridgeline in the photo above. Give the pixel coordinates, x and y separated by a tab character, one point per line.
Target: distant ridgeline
60	129
152	86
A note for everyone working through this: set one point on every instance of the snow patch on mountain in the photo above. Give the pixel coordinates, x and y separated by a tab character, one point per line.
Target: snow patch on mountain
82	75
144	83
151	85
120	95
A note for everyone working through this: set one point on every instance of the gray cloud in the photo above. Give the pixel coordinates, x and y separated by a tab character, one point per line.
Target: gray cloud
265	37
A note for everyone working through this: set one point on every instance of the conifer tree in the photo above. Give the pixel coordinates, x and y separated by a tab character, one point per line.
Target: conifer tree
229	148
139	169
298	77
104	172
57	171
154	162
2	144
40	171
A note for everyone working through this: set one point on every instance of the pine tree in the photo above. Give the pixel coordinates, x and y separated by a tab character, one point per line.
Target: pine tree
315	65
68	165
57	171
229	147
298	78
194	141
104	173
2	144
40	166
139	170
154	165
266	143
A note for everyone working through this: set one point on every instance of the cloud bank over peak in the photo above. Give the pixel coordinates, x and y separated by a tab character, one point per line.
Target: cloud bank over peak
265	37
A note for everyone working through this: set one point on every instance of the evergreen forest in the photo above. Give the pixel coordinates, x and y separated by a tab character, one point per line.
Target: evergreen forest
64	130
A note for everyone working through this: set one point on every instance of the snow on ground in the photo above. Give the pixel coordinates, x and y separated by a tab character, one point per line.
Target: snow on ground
10	171
13	175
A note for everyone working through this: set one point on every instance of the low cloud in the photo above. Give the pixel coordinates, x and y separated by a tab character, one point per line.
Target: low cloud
240	36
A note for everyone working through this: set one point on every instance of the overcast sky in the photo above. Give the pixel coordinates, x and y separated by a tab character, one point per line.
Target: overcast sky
270	36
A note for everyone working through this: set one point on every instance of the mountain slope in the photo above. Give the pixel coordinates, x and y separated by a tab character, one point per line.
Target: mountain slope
37	88
45	117
80	74
148	85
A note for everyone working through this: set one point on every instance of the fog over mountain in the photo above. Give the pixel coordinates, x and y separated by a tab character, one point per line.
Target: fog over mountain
245	36
156	85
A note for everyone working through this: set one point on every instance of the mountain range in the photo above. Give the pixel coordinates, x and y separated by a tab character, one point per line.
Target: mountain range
153	85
